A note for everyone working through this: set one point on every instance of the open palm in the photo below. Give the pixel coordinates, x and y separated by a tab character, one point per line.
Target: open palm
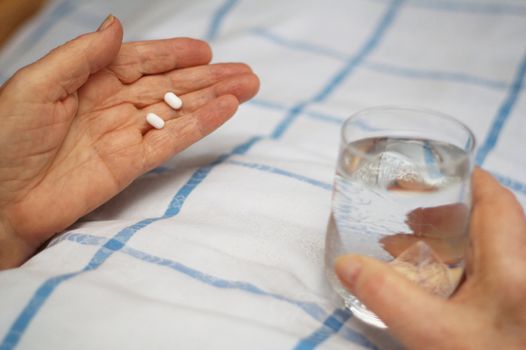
73	131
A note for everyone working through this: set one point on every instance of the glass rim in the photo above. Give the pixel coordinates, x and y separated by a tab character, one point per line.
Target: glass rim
469	153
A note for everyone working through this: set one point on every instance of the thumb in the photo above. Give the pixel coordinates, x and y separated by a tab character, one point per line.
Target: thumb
65	69
405	308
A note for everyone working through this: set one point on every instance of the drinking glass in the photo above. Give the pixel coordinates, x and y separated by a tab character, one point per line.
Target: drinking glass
402	194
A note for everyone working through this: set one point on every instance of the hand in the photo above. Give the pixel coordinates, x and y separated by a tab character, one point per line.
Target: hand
73	131
432	225
488	311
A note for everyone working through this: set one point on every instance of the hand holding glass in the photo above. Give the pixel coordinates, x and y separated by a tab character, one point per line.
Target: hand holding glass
402	194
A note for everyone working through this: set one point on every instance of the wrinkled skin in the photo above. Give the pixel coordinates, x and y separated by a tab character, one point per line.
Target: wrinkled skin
73	132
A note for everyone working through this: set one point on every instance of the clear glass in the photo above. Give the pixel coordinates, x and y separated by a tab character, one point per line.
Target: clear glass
402	195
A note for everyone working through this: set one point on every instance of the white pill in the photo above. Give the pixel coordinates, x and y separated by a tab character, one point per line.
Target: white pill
173	100
155	121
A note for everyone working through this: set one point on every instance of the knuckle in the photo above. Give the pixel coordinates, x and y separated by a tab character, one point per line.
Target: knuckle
20	81
21	75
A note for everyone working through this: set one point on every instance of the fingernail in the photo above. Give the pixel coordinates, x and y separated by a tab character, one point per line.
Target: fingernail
107	22
347	269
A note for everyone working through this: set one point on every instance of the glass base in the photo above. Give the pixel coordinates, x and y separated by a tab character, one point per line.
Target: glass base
361	312
358	309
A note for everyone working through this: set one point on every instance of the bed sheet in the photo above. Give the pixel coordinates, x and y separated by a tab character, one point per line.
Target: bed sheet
222	246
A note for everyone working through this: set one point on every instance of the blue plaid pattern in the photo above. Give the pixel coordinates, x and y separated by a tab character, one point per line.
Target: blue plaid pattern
296	126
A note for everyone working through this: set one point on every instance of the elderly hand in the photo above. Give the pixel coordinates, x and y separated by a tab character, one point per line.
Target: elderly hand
489	309
73	131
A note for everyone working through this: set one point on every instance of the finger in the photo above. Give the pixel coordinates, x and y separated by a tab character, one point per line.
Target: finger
243	87
498	228
66	68
441	221
402	306
178	134
151	89
141	58
443	228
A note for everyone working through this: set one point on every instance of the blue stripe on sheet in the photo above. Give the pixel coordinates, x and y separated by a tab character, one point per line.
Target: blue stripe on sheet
267	104
385	68
456	77
245	147
334	119
12	337
80	238
502	115
312	309
325	117
299	44
330	326
329	118
218	18
510	183
380	29
291	116
274	170
471	7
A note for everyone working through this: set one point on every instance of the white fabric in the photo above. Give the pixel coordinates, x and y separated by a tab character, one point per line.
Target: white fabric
228	253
